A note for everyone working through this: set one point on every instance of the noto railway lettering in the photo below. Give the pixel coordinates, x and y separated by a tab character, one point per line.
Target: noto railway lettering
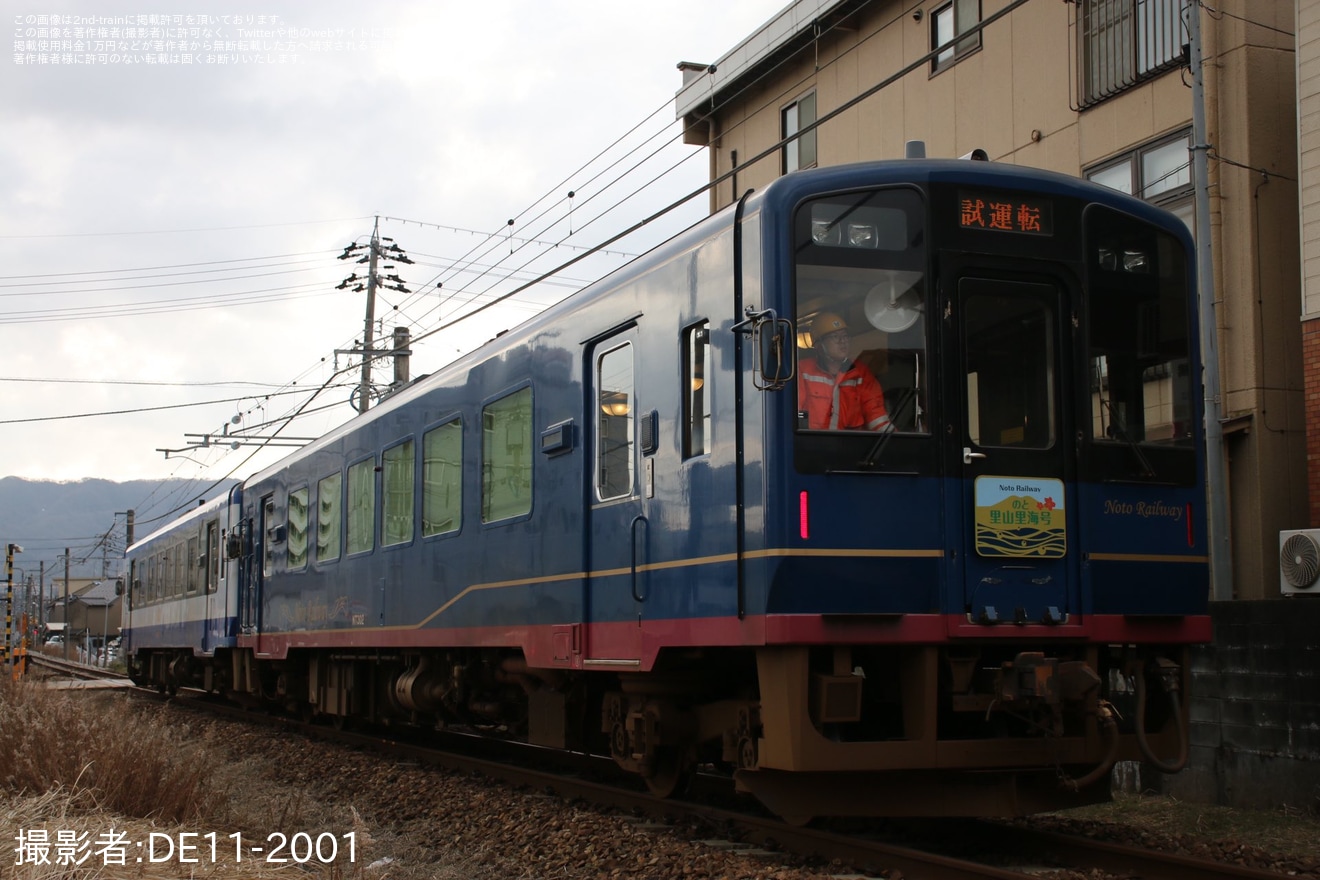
1144	509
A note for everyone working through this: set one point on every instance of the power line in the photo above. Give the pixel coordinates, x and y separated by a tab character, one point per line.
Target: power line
137	382
1221	13
176	231
426	224
166	306
123	412
156	269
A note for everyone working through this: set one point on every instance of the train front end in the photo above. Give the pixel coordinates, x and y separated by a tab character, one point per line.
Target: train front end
984	552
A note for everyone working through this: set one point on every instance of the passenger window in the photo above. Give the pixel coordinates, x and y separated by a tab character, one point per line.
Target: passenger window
268	536
442	479
361	506
506	457
329	517
696	390
614	423
297	536
212	563
192	565
398	492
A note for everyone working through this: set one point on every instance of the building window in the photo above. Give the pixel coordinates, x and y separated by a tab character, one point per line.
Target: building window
329	516
506	457
947	25
1159	172
800	152
442	479
1124	42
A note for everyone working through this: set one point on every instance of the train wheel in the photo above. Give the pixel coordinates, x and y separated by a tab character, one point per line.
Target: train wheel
797	821
670	773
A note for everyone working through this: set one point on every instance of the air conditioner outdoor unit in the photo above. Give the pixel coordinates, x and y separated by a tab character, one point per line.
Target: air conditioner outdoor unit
1299	562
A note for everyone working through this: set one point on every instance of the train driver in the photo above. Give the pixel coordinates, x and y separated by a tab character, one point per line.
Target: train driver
835	392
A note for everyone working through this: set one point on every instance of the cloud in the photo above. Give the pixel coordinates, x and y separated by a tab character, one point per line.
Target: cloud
457	115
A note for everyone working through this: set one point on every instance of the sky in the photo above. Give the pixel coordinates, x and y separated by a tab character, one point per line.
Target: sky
178	180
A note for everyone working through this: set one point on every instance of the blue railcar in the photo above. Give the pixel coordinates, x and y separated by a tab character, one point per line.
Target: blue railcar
183	592
631	525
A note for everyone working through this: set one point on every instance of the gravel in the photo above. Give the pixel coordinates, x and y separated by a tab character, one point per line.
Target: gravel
420	822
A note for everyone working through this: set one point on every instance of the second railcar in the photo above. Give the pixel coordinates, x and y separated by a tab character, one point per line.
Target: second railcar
182	595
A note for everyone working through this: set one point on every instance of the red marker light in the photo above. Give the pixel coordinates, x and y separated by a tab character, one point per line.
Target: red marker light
802	516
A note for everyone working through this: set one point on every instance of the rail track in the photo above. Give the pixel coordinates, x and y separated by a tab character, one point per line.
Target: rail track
999	851
73	669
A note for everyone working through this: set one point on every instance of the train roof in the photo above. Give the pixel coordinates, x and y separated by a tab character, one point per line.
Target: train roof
790	188
201	511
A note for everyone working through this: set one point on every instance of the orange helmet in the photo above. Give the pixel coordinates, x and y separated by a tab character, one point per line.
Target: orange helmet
826	323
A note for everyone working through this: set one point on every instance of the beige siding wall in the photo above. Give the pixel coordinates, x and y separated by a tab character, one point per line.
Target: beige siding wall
1308	102
1015	98
1307	24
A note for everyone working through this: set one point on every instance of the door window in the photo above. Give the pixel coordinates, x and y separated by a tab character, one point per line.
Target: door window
614	423
1010	380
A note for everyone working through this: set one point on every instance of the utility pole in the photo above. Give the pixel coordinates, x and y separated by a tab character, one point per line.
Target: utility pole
67	633
401	357
371	283
10	551
369	325
1216	482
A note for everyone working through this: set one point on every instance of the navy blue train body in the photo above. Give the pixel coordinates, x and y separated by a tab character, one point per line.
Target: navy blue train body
626	525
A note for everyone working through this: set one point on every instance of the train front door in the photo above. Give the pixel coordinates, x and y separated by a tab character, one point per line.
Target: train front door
1013	448
617	526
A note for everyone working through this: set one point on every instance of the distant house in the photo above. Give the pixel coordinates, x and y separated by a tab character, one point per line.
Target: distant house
92	611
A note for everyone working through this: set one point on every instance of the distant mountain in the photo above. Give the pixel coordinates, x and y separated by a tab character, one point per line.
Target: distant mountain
86	516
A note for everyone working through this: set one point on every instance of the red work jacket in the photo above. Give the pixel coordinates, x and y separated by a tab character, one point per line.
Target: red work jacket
852	400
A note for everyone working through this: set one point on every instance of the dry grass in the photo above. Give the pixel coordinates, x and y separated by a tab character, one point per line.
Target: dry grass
49	741
85	767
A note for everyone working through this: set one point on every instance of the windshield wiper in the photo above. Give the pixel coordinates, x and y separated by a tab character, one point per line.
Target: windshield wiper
878	447
1147	470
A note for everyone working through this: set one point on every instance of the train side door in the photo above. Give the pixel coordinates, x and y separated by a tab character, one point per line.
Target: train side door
1013	451
258	564
617	527
212	602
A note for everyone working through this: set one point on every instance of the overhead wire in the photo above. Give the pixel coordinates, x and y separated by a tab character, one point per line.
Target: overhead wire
135	411
141	277
168	306
175	231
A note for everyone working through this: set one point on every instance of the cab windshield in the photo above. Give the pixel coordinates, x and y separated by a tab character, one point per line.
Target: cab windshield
861	313
1142	413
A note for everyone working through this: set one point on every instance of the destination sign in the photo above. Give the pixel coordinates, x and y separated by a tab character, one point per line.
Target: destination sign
1004	213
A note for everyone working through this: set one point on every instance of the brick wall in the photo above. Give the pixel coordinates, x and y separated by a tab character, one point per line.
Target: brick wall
1311	376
